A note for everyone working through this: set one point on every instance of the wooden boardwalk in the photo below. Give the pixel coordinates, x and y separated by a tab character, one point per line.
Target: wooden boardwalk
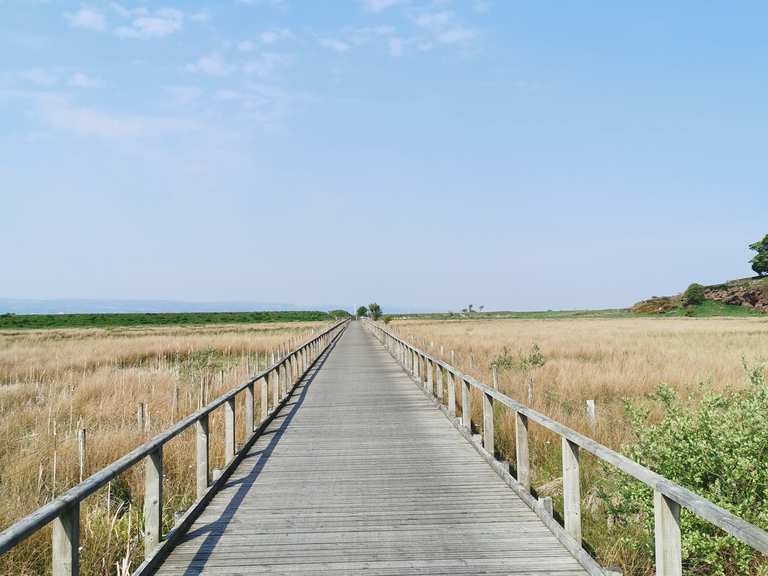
360	473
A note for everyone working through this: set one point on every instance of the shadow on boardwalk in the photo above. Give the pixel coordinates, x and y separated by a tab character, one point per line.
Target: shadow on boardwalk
216	528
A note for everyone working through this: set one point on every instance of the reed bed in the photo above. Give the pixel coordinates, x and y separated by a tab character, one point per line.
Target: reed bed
121	386
556	366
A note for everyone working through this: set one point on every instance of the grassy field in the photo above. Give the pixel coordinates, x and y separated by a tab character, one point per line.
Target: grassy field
708	308
54	382
40	321
611	360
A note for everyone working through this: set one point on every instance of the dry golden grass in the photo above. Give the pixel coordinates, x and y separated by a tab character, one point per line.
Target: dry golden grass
54	382
606	360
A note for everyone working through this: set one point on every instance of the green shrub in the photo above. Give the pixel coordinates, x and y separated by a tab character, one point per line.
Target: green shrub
718	450
694	295
506	361
387	318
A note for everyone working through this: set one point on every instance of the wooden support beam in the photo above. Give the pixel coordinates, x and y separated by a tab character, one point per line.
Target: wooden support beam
65	540
522	459
250	407
201	461
466	405
667	531
488	437
451	394
229	430
153	501
571	489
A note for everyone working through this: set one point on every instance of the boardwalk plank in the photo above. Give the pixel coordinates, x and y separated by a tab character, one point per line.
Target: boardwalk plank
360	474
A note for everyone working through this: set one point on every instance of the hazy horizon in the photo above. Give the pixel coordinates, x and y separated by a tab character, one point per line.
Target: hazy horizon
425	154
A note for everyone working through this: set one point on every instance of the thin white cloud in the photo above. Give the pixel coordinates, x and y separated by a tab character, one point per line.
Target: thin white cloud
87	19
338	46
210	64
39	77
82	80
59	113
445	28
266	64
275	35
183	94
144	23
396	46
380	5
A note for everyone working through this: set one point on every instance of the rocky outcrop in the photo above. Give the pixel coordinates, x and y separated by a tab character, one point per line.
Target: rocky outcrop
749	292
656	305
752	293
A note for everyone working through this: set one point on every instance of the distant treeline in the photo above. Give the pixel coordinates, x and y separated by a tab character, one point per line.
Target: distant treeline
21	321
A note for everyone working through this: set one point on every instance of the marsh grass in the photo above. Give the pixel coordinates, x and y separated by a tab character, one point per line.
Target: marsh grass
554	366
55	382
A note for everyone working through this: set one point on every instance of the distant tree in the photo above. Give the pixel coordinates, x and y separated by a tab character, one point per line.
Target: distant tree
463	310
374	310
469	308
339	314
481	308
694	295
387	318
760	261
362	311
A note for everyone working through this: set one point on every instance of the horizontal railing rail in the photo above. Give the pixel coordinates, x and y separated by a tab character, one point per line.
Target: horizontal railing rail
433	373
64	511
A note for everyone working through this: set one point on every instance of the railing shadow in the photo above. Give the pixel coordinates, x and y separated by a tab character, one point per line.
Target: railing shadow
215	528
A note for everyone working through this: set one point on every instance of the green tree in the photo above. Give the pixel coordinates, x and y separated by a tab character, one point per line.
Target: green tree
760	261
362	311
694	295
375	310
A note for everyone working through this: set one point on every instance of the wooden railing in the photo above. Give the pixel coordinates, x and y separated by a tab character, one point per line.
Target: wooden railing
668	497
64	511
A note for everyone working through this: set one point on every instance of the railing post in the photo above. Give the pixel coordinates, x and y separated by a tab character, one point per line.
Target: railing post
466	405
201	474
264	399
571	489
667	528
451	394
153	501
274	378
522	458
439	382
66	542
229	430
250	406
488	440
430	376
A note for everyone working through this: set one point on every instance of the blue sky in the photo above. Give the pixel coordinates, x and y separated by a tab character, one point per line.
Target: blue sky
422	153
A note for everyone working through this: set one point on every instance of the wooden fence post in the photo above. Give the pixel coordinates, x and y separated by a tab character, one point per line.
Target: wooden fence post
264	398
466	405
229	430
201	473
153	501
522	459
250	402
571	489
451	384
65	541
81	452
274	378
488	439
667	533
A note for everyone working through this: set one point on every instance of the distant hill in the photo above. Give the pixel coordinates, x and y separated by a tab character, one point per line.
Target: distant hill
746	296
